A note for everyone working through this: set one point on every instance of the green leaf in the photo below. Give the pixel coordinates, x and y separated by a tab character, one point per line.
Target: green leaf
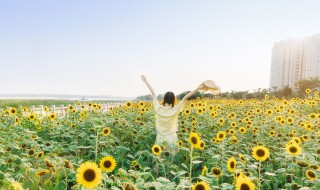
270	174
196	162
60	185
227	186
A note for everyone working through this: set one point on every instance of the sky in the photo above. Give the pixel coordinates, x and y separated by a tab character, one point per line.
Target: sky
101	47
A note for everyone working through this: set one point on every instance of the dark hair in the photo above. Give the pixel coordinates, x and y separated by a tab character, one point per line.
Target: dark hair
169	98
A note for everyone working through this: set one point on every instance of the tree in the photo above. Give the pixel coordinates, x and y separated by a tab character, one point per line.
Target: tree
287	91
302	85
194	96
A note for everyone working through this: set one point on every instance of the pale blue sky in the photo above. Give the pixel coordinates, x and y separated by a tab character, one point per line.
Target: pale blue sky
102	47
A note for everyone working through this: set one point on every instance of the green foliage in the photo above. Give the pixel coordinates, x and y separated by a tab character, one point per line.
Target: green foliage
78	138
303	85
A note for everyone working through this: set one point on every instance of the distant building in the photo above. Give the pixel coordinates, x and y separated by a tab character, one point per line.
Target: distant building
294	60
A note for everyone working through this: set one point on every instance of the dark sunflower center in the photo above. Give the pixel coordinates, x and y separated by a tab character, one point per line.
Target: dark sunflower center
52	116
221	136
40	154
260	152
31	152
311	174
200	187
244	186
194	140
201	144
107	164
293	149
89	175
106	131
232	165
216	171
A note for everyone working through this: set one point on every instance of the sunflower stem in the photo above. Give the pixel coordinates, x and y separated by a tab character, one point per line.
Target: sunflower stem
217	178
259	184
190	174
96	151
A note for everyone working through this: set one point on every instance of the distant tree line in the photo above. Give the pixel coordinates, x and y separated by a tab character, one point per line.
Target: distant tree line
300	91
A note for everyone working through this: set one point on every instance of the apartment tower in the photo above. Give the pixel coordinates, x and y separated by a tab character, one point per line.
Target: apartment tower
294	60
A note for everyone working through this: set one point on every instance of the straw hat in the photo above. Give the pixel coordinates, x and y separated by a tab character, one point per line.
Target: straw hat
211	86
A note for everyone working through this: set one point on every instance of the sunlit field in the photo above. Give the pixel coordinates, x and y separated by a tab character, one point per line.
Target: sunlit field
223	144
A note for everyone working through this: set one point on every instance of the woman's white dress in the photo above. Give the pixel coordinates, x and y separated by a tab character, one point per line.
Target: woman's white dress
166	123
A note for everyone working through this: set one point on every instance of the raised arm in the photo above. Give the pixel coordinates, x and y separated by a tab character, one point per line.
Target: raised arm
149	86
185	98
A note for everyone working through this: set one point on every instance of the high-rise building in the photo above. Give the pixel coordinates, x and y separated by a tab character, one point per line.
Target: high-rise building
294	60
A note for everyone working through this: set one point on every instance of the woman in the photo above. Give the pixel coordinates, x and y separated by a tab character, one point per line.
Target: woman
167	116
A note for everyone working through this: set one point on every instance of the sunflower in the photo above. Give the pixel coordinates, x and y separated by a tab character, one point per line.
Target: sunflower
269	112
237	173
272	133
108	164
194	140
311	175
42	172
244	183
232	163
32	116
199	111
156	150
187	111
216	171
232	132
308	90
242	130
31	152
233	124
179	143
290	120
88	175
221	121
242	158
135	165
260	153
105	131
201	186
297	140
40	154
128	104
68	164
13	111
293	148
204	169
221	135
312	116
52	116
202	145
233	140
15	185
129	186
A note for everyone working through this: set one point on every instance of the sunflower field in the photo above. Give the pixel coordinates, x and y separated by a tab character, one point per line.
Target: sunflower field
223	144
